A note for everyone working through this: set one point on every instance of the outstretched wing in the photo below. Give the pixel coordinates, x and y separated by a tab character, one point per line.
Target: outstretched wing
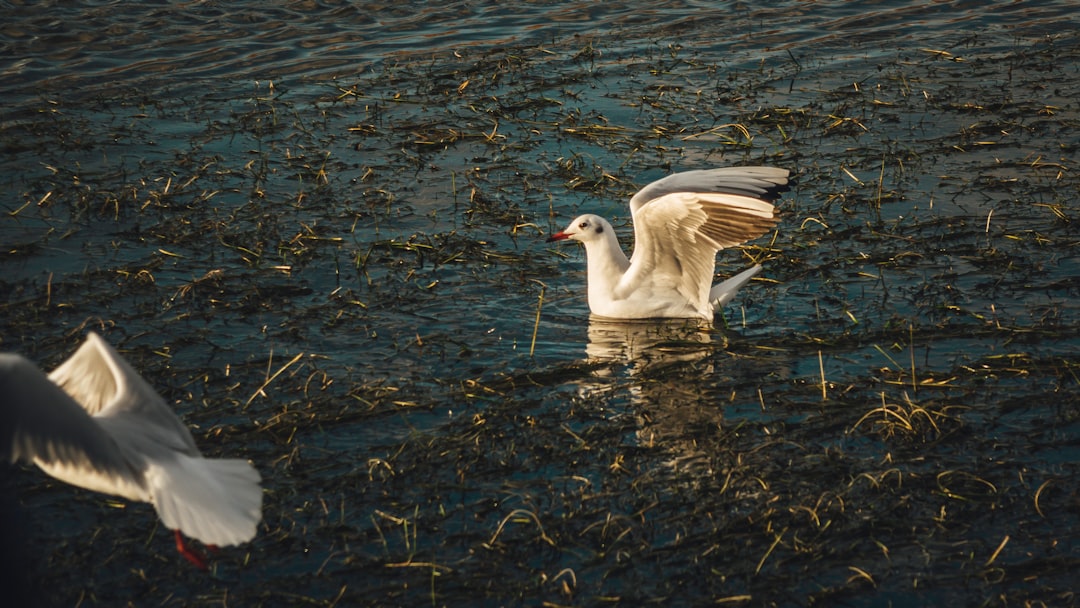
682	220
762	183
677	237
39	421
106	386
96	424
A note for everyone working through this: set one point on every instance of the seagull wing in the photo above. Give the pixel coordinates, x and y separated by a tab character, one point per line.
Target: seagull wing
682	220
106	385
677	235
97	424
40	422
763	183
89	377
218	501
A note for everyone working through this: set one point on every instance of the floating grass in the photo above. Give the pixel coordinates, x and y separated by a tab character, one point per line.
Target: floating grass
900	380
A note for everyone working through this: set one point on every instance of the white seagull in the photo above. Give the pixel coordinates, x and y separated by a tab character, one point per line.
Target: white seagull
680	222
96	424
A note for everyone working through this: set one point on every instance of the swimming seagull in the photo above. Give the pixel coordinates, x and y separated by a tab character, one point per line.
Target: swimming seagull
95	423
680	222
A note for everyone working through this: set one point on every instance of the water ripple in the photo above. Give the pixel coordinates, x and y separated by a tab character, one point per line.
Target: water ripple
77	48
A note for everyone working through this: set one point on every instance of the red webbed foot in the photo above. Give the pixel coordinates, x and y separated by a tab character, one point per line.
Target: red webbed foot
189	553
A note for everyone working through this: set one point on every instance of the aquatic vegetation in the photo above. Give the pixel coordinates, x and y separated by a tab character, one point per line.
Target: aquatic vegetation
345	275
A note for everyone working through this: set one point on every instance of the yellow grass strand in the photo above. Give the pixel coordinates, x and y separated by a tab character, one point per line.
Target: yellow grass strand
1038	495
1001	546
821	366
911	347
536	325
775	542
519	513
269	380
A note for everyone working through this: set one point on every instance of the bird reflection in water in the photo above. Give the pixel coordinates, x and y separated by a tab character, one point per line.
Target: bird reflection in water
664	369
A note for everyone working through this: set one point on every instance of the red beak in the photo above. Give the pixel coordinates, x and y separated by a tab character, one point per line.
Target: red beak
558	236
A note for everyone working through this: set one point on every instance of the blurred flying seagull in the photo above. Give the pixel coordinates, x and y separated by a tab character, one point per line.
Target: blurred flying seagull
95	423
680	222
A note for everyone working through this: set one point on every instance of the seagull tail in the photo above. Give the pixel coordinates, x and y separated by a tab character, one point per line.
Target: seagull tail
722	293
217	501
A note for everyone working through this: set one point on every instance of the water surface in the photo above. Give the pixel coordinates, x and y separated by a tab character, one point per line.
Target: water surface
319	229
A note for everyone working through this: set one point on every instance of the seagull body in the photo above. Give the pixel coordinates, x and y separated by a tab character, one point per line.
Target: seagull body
680	222
96	424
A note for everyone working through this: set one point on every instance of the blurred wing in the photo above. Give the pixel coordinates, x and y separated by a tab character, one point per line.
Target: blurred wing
91	375
39	421
106	385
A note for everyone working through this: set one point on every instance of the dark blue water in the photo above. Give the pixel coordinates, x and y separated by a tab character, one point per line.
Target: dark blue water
222	187
72	49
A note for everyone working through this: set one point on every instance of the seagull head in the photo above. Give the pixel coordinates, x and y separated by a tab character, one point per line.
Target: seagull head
584	229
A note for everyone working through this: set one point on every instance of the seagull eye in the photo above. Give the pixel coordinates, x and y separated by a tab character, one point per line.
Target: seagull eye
583	225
